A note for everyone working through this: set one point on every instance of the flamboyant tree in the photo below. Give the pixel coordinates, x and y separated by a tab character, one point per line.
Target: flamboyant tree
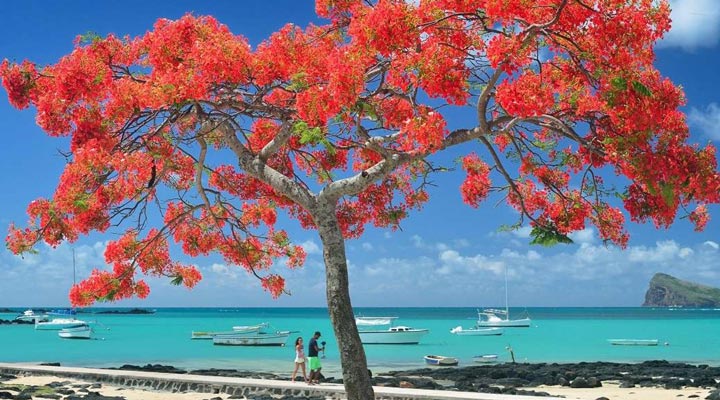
333	125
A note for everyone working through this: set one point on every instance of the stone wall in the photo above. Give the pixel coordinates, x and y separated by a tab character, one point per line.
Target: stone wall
182	383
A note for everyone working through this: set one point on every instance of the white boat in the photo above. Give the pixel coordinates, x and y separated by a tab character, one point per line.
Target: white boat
78	332
393	335
460	331
32	316
260	339
485	358
374	321
206	335
633	342
500	318
251	328
441	361
59	323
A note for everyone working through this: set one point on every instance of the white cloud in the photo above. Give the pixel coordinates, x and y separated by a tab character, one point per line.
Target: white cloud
712	244
310	247
523	232
695	23
417	241
662	252
707	121
367	246
586	235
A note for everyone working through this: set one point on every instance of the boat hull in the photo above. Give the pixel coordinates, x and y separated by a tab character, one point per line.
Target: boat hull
251	340
199	335
485	358
389	337
504	323
459	331
80	332
633	342
441	361
59	323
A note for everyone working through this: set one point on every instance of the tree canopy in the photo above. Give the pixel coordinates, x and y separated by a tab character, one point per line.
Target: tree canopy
217	137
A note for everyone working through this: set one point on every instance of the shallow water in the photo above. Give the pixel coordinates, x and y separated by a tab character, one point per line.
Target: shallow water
556	335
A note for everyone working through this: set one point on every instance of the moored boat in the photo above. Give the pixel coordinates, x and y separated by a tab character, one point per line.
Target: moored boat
485	358
500	319
633	342
393	335
251	328
78	332
59	323
32	316
441	361
260	339
460	331
207	335
374	321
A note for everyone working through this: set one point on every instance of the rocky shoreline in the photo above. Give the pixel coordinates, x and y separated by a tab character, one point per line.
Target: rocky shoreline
515	379
508	378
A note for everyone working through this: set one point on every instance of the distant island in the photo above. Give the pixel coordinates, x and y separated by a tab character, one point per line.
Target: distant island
131	311
668	291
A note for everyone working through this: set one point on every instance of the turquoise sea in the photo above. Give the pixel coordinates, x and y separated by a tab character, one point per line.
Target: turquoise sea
556	335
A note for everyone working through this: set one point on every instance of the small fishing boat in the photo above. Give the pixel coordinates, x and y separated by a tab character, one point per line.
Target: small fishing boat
206	335
460	331
78	332
485	358
441	361
633	342
260	339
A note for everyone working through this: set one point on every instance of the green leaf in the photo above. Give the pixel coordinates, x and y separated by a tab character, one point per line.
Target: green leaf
177	280
90	37
298	82
545	236
668	193
619	83
641	89
308	135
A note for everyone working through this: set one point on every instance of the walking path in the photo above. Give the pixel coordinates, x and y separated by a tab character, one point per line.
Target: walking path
231	385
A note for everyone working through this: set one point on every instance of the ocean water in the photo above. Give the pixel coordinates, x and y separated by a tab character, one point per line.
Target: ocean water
556	335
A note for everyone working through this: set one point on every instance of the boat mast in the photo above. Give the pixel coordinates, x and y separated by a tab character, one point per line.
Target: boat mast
507	307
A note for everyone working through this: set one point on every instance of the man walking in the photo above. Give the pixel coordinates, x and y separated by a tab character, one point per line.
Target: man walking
314	360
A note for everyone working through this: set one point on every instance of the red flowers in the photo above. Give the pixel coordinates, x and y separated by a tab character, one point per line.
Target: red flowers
190	128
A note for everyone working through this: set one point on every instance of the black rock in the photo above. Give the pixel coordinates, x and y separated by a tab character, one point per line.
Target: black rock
6	395
714	395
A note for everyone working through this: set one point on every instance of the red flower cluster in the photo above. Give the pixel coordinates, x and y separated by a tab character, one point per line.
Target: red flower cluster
562	93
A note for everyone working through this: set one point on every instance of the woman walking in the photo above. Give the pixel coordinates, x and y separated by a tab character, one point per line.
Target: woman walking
299	359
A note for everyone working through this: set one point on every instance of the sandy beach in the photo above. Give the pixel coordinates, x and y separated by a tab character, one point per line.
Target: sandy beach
609	390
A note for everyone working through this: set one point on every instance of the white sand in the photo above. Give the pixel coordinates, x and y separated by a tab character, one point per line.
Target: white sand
609	390
613	392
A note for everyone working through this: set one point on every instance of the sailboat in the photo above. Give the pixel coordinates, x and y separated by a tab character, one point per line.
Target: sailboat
68	319
491	317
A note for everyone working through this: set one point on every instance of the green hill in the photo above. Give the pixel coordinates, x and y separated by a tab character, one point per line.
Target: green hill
666	290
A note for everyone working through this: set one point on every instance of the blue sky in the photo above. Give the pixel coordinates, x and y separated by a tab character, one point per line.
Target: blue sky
446	255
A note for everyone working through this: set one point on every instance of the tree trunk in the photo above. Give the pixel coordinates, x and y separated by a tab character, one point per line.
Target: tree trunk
352	355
